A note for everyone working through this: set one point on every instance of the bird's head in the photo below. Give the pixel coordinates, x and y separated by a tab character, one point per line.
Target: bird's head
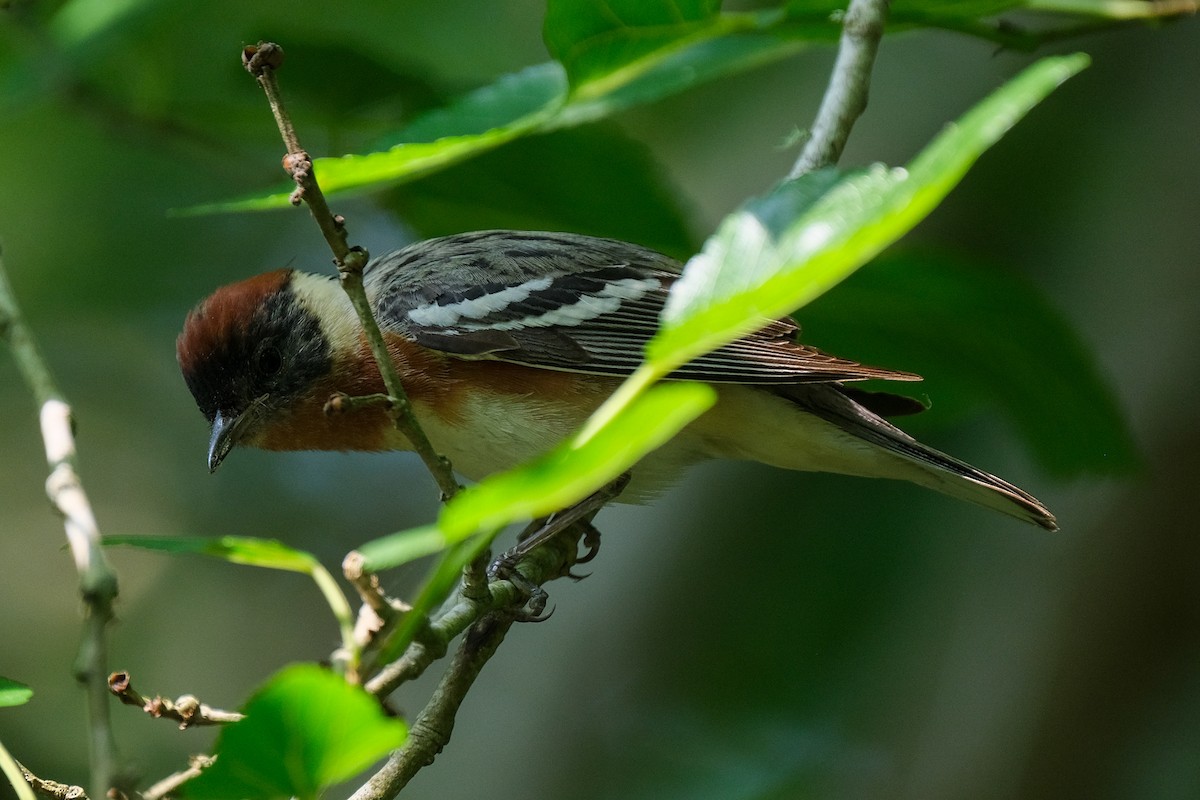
253	354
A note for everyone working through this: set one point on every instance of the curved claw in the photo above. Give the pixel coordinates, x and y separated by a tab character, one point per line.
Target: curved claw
530	616
591	541
575	577
534	608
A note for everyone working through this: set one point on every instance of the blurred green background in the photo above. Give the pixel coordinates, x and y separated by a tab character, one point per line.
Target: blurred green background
755	634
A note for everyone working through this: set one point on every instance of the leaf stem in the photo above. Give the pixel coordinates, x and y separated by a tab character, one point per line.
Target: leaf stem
12	771
342	612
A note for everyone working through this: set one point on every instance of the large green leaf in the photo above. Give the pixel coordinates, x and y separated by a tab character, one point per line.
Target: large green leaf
598	40
565	475
579	466
962	9
517	100
536	99
305	730
617	54
515	105
781	251
676	70
1111	9
981	336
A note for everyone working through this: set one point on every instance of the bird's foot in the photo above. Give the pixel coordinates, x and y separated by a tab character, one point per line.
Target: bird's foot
573	523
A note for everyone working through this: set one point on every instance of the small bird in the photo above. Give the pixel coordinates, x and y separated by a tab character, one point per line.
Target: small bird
506	341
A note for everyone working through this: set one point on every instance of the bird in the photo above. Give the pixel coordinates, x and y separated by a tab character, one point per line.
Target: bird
506	341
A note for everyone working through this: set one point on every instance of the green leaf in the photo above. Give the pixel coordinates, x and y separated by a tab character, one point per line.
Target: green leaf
981	336
482	120
618	54
597	39
535	100
781	251
563	476
1111	9
267	553
388	552
576	468
77	21
592	180
305	730
439	583
677	70
960	9
514	100
13	693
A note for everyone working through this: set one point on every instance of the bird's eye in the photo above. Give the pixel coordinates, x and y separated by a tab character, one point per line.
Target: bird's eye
269	361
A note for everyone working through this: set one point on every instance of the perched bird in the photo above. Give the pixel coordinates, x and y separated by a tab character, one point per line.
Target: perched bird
506	341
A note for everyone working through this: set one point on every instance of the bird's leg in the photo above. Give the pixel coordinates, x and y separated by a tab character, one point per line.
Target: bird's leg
541	531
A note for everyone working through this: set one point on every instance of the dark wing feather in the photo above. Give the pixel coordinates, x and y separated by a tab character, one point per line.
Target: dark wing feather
571	303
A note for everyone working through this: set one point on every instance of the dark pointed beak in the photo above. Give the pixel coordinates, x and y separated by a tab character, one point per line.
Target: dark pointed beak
231	430
224	431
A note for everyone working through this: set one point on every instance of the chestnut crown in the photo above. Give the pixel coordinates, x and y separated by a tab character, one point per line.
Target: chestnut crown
251	344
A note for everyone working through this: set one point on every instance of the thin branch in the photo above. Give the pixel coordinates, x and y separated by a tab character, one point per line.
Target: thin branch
97	581
435	640
170	784
188	711
52	789
431	729
262	61
486	623
846	96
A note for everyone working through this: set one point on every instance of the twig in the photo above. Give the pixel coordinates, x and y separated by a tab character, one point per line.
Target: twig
261	61
168	785
188	711
377	611
432	644
486	623
342	403
53	789
97	582
432	728
846	96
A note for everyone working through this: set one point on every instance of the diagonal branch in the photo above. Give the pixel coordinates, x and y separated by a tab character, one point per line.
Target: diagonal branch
188	711
262	61
846	96
97	581
486	626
